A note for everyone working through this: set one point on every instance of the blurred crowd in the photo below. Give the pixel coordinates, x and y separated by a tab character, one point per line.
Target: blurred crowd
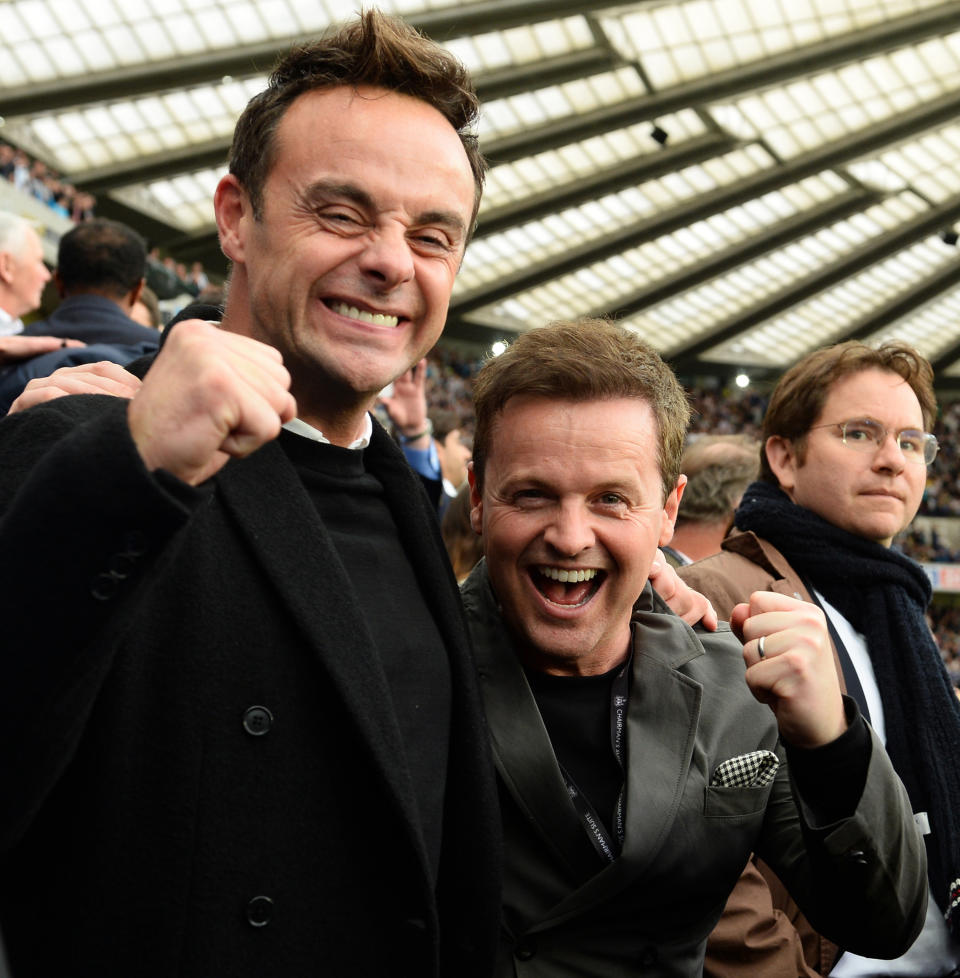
167	277
35	178
945	622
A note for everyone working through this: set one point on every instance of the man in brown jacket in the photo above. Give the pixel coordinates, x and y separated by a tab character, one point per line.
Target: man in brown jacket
846	445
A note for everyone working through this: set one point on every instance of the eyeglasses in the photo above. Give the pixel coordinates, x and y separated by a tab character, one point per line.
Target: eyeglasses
866	435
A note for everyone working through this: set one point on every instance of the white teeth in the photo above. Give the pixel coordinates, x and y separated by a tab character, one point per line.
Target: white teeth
374	318
568	577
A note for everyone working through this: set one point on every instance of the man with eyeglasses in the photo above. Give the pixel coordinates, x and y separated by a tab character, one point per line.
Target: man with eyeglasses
843	469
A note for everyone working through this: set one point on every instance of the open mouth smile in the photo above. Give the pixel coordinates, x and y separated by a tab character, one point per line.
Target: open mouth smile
361	315
567	588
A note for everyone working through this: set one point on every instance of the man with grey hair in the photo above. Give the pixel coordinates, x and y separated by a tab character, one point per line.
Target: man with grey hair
22	272
718	469
22	278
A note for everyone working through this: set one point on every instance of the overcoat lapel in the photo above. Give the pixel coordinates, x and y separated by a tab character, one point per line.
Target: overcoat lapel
274	512
419	531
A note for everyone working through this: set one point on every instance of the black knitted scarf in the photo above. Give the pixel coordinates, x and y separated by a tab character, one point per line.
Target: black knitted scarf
883	594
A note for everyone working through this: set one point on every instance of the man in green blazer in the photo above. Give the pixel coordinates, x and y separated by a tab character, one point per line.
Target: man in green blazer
640	763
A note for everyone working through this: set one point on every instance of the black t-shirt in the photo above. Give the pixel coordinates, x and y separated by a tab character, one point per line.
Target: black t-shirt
576	713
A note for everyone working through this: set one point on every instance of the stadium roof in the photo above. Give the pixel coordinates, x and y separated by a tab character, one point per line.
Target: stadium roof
740	181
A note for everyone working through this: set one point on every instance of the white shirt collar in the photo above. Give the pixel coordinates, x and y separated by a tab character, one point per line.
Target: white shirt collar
9	325
298	427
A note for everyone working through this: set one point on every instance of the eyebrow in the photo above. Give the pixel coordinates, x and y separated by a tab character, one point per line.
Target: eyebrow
322	189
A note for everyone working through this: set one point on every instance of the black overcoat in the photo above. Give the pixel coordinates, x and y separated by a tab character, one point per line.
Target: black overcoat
200	771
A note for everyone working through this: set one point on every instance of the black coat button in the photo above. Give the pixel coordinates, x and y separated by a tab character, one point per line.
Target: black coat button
260	911
525	950
121	566
858	857
104	587
257	721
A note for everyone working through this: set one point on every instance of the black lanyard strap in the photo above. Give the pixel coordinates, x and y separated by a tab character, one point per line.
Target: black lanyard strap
607	845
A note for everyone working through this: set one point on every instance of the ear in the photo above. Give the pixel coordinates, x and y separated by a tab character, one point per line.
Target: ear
782	459
670	509
134	294
6	267
476	502
58	284
231	205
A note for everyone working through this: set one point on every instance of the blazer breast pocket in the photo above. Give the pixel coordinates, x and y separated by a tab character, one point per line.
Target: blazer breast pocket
741	785
726	802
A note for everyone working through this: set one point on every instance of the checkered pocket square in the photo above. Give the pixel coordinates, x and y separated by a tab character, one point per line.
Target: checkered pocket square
754	770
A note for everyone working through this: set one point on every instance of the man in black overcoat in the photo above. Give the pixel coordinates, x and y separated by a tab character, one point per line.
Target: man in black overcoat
240	728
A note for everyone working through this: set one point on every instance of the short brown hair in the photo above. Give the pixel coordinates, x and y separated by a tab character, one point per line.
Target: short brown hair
374	50
797	400
583	360
718	469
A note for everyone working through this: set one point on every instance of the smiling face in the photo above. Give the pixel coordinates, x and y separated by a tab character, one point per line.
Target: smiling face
349	271
872	494
572	512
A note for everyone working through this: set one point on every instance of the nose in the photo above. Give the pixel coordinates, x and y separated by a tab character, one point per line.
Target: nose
387	259
889	454
569	531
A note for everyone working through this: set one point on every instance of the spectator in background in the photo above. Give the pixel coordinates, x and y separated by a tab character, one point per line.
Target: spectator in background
449	453
718	469
431	438
844	465
39	183
23	273
100	276
6	161
82	207
21	171
146	310
198	277
464	545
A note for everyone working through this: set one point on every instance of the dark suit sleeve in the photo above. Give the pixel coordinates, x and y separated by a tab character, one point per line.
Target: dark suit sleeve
861	880
82	526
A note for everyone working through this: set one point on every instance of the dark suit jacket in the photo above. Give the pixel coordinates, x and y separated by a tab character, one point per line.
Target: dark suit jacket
15	376
155	820
92	319
567	914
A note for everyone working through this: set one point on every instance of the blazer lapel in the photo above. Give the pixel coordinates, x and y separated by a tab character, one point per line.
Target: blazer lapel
274	512
522	750
662	721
